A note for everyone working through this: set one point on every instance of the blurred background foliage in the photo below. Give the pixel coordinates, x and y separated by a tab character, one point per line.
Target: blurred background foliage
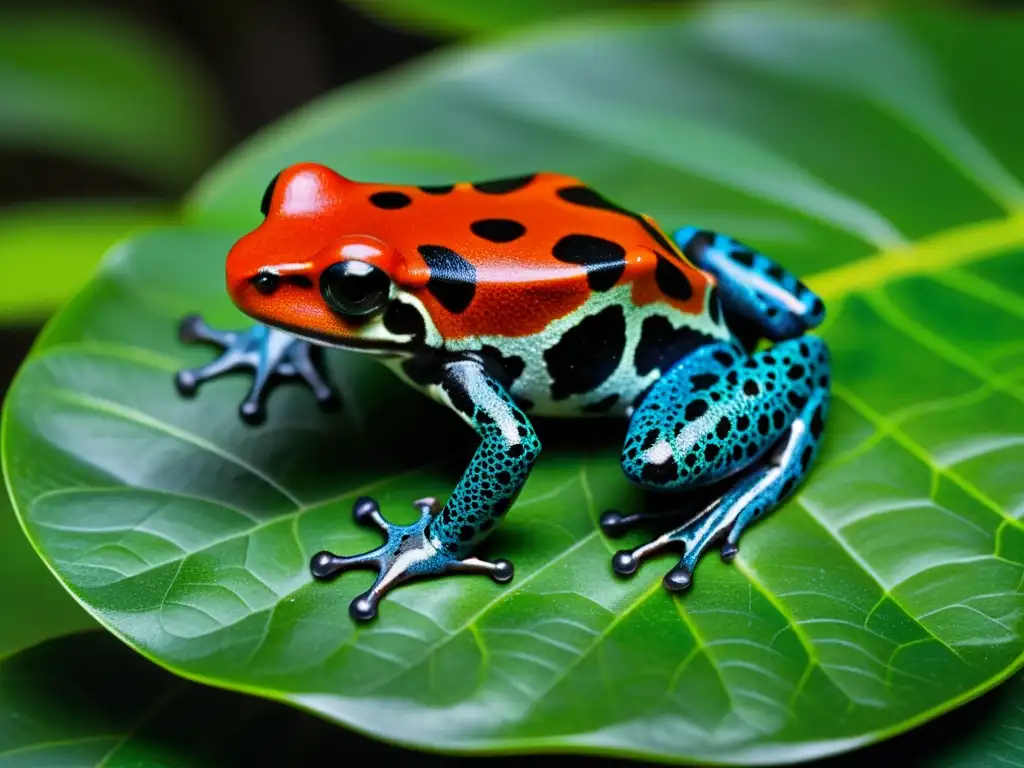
462	17
109	112
448	19
111	109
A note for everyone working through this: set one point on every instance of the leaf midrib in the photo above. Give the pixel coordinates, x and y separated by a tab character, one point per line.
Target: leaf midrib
934	253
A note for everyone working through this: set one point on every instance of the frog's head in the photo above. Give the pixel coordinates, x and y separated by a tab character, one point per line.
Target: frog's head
303	270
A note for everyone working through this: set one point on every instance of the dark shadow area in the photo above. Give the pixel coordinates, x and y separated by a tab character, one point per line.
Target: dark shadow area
15	343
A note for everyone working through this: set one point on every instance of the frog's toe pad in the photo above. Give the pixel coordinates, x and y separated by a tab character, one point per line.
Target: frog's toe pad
186	383
252	412
364	607
409	552
728	551
625	562
326	565
694	538
679	579
615	524
501	571
190	328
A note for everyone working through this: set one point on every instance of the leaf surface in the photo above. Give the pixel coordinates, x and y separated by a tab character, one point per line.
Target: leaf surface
89	701
886	592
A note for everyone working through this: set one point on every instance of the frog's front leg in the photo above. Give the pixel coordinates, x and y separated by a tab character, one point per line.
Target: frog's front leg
269	353
754	422
442	540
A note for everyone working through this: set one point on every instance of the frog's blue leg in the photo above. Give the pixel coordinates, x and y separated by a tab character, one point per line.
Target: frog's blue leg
267	352
751	423
751	286
442	540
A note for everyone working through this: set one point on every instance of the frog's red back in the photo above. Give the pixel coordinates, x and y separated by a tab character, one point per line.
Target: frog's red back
491	258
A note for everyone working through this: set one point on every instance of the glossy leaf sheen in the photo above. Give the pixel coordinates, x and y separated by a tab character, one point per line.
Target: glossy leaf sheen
886	592
102	91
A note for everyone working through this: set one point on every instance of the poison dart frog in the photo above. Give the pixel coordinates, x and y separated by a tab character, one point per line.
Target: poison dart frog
534	296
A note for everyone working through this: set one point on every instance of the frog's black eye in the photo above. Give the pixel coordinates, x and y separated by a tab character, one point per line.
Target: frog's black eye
268	195
355	288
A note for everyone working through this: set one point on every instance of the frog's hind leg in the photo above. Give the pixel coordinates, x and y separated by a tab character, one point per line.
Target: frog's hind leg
757	294
751	424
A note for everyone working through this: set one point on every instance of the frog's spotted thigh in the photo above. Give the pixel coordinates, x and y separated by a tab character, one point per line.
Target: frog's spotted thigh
534	296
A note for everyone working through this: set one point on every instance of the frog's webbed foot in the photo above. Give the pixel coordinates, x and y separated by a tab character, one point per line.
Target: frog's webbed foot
614	524
410	552
270	354
693	538
744	429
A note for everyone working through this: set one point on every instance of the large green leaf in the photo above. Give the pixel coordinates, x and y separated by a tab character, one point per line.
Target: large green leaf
89	700
877	159
49	250
99	89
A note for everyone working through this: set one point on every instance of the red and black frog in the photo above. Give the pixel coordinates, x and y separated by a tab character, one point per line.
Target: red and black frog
534	296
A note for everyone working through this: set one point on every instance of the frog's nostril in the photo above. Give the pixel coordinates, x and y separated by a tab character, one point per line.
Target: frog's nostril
265	282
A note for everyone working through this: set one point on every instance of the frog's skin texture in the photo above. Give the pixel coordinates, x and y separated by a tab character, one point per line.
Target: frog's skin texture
534	296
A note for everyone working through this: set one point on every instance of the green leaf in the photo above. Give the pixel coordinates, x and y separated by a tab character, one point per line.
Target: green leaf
101	90
456	17
886	592
91	701
35	606
50	250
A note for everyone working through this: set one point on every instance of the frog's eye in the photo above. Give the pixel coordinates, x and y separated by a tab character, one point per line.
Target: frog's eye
355	288
268	195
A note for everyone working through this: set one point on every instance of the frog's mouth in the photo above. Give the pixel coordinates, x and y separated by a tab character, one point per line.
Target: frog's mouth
398	326
389	346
